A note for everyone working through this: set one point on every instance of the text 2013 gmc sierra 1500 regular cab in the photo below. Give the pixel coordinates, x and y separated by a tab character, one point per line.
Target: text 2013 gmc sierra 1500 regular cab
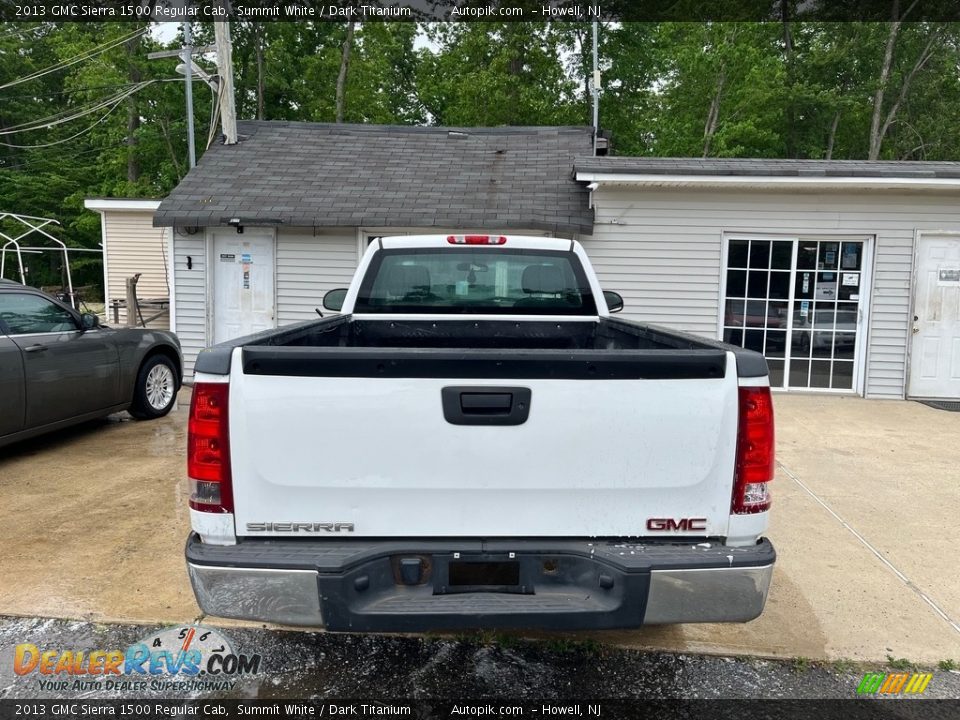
476	443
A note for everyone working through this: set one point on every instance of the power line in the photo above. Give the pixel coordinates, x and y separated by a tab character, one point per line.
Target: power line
68	115
73	61
32	96
56	155
76	135
81	111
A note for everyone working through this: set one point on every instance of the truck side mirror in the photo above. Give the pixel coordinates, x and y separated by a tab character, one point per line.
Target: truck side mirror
614	301
333	300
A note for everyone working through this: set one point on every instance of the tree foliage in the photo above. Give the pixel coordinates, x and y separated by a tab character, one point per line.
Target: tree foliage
791	88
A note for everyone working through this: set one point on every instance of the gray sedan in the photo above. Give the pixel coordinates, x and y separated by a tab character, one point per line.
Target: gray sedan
59	367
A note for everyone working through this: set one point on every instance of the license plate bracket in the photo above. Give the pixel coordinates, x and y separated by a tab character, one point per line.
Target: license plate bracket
481	573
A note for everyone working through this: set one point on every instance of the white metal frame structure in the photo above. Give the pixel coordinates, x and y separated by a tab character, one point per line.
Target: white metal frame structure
36	225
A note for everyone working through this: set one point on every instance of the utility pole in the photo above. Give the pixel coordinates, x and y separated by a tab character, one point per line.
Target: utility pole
187	58
186	54
596	90
228	112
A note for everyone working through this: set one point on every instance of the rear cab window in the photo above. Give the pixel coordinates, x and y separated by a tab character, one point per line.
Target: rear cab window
476	280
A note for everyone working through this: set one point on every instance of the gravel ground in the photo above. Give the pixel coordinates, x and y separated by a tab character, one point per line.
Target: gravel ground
323	665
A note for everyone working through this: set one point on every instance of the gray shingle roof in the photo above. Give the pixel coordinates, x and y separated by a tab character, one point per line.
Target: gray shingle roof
326	175
762	167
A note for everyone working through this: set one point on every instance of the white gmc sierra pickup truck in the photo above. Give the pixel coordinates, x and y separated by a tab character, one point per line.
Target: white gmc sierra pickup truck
474	443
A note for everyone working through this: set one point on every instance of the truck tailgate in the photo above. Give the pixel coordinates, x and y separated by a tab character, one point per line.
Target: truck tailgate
380	456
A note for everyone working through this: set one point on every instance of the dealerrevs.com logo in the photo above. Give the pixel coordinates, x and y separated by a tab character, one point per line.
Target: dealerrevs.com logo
183	658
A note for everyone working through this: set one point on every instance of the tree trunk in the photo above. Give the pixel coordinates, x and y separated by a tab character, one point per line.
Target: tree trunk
713	115
875	137
165	131
260	79
833	135
133	111
891	116
342	76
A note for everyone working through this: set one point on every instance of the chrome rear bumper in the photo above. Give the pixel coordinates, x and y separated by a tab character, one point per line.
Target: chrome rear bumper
657	584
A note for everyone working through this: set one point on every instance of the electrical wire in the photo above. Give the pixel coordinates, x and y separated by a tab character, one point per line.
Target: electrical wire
81	111
57	155
33	96
75	135
73	61
72	114
214	117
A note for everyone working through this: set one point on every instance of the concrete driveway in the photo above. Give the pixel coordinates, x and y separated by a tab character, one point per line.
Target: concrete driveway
865	513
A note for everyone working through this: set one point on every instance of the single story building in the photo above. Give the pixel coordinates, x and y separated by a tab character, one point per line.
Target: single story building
264	228
132	245
845	274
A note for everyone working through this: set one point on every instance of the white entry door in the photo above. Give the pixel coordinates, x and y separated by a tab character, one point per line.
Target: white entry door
935	357
243	297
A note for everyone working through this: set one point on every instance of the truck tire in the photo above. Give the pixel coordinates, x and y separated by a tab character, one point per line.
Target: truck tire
156	388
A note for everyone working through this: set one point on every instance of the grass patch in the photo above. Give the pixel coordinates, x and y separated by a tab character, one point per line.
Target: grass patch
948	665
843	665
800	664
899	663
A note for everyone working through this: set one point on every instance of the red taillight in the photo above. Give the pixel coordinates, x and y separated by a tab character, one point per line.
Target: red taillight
755	451
208	449
476	239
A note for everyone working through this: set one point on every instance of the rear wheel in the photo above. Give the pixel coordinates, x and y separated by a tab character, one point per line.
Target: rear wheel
156	388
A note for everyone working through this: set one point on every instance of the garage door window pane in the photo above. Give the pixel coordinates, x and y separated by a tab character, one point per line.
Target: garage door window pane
842	376
779	285
776	372
776	343
753	340
737	254
733	315
757	284
736	283
733	336
759	254
829	256
781	255
799	372
820	373
807	256
844	344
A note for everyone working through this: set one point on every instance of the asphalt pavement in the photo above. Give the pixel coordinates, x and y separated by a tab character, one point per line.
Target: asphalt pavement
325	665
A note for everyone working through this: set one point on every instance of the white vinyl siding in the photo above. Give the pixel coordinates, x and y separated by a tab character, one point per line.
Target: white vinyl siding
662	250
191	295
134	246
308	266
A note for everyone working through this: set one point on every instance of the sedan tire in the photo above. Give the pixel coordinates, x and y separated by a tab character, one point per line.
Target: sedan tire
156	388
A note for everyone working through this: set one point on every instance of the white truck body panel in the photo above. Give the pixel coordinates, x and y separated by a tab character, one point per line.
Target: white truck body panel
592	459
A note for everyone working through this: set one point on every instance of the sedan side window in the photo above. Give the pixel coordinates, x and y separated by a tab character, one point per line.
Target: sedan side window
25	314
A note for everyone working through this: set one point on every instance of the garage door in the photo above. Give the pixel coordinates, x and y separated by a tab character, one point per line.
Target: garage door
799	301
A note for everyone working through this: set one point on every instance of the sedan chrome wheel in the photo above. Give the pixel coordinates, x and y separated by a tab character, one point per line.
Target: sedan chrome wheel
160	386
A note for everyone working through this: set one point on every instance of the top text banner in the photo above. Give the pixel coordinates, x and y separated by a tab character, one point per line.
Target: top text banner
472	10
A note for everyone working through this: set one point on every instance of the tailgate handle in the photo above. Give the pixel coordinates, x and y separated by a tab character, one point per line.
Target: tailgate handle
491	403
486	405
